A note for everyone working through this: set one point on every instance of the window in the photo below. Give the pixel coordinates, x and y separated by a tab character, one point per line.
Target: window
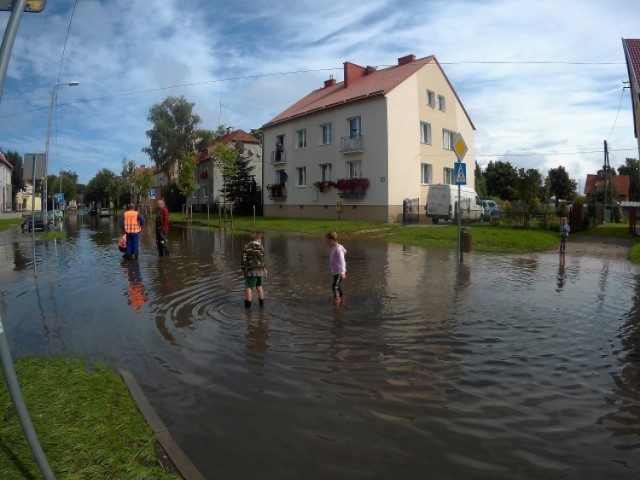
281	176
447	175
431	98
325	172
425	173
301	176
447	139
302	138
355	127
425	132
442	104
354	169
326	134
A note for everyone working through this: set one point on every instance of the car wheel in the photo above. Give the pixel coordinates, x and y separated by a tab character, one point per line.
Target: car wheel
434	220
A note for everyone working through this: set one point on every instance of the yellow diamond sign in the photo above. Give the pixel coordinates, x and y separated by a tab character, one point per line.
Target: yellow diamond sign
459	147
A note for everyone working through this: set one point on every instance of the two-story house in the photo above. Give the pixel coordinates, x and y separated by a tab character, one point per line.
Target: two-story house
209	180
6	196
391	128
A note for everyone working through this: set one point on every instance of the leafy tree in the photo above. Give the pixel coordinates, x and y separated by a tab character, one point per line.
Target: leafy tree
17	174
114	190
481	182
143	182
97	188
128	177
224	159
186	176
204	138
172	135
66	183
501	179
560	185
257	133
242	188
631	168
529	187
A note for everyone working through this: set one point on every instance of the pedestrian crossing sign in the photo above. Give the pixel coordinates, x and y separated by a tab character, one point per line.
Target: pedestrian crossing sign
460	173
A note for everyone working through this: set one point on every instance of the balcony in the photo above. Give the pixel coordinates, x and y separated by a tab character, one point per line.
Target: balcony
277	191
278	156
351	145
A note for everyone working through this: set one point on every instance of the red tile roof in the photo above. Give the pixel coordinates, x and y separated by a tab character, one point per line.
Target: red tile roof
619	182
368	83
5	161
632	56
239	136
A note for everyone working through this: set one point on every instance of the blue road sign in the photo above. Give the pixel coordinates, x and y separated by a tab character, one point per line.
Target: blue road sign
460	173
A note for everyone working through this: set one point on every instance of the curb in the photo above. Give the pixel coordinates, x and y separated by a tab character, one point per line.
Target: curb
180	460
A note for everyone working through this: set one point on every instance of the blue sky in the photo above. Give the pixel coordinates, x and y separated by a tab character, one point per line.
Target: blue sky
541	79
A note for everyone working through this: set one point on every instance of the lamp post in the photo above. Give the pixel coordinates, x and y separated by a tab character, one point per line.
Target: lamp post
54	96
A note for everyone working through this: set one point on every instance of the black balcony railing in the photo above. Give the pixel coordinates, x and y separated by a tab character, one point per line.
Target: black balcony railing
278	156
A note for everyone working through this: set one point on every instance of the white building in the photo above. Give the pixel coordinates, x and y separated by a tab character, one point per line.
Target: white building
392	127
6	197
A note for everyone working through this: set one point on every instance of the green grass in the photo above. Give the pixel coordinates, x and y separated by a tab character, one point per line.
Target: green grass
6	223
485	238
85	419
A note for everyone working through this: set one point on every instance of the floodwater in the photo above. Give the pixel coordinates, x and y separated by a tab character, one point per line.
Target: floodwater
504	367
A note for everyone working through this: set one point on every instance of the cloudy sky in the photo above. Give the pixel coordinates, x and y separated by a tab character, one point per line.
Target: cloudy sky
541	79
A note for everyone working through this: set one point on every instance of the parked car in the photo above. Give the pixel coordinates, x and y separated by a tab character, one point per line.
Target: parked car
442	203
39	224
492	210
103	212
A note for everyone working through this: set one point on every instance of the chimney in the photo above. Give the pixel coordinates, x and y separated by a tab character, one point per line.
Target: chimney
369	70
406	59
229	130
352	73
330	82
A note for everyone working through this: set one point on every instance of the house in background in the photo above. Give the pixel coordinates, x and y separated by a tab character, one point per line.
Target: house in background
6	196
620	184
385	134
632	56
208	177
25	197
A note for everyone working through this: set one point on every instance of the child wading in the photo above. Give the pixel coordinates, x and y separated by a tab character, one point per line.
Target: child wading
338	268
564	233
254	269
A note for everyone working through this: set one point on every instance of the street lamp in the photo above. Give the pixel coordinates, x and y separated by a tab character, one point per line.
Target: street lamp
54	96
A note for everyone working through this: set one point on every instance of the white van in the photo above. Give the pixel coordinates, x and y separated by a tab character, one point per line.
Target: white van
442	203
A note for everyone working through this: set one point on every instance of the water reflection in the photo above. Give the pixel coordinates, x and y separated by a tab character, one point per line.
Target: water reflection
502	367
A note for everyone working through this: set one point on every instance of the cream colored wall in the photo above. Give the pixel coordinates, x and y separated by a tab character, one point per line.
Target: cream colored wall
392	154
373	158
407	106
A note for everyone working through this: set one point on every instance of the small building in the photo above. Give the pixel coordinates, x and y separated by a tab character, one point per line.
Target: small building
620	184
6	195
209	180
359	148
25	198
631	49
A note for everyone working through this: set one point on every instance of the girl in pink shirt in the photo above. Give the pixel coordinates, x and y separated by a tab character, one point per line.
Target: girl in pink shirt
338	268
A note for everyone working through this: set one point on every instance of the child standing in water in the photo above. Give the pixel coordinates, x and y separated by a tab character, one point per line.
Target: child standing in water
564	233
338	268
254	269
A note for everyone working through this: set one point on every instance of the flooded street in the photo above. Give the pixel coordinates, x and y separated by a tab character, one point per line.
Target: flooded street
505	367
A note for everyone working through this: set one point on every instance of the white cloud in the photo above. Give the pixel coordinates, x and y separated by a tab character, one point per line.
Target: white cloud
193	47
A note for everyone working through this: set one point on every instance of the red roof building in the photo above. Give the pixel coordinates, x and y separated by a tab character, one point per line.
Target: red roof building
632	56
619	182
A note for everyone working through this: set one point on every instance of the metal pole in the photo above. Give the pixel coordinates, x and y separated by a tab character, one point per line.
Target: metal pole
45	226
21	409
8	39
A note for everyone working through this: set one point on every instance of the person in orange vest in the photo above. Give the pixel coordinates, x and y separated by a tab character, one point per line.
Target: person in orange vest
133	223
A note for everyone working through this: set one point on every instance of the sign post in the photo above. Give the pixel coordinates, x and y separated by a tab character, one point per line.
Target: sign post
460	177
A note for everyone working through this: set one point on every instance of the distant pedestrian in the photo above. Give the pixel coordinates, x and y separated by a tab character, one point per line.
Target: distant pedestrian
564	233
254	269
338	266
162	229
133	223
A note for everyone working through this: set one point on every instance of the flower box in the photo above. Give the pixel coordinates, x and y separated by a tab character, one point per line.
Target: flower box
352	187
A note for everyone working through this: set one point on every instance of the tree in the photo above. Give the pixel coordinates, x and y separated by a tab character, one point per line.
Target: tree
128	177
204	138
560	185
481	181
501	178
143	182
631	168
17	174
529	188
98	186
173	132
242	188
114	190
186	176
224	159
